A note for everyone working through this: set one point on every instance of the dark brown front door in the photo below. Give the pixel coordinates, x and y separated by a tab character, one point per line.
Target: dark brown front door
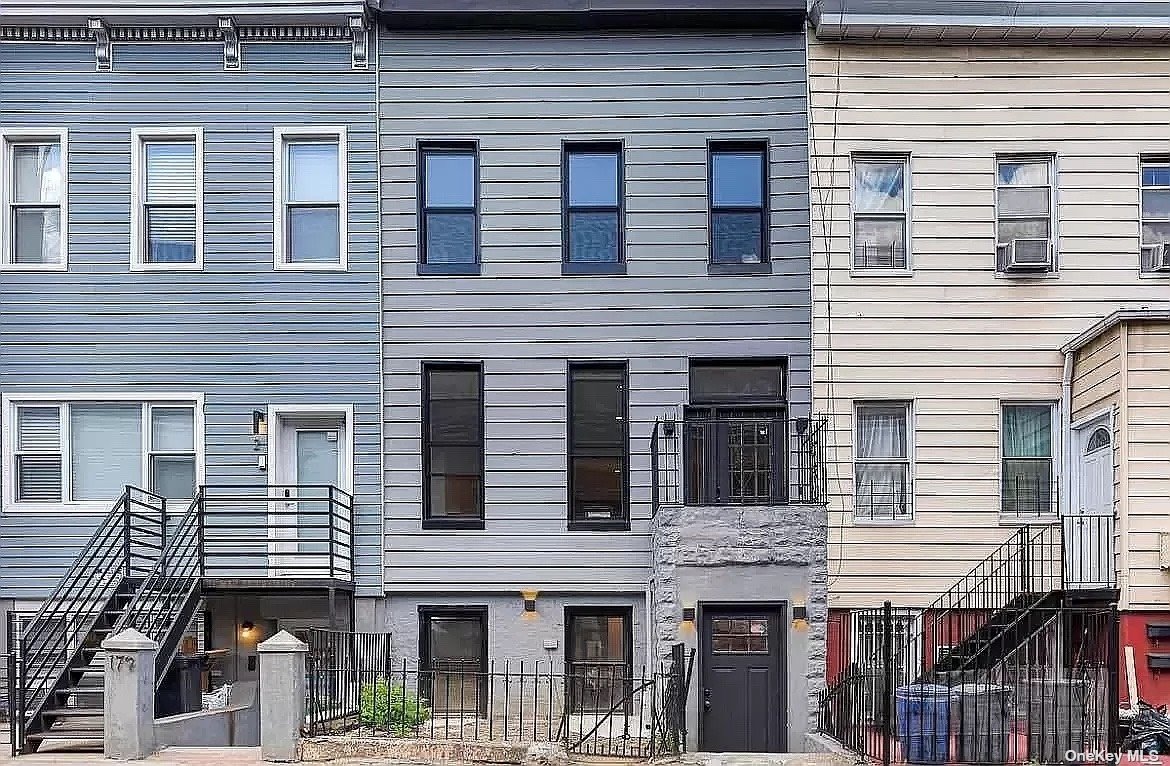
741	701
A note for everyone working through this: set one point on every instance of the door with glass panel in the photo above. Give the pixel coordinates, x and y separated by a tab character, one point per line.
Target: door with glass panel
453	659
310	463
599	658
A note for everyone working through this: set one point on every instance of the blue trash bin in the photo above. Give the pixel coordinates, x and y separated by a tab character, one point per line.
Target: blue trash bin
923	712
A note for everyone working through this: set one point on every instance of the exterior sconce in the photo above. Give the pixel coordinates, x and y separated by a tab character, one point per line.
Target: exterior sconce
529	597
688	614
246	628
259	425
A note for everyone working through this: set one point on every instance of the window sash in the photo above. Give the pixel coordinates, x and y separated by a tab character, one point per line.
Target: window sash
430	443
580	452
52	254
428	209
1002	216
892	499
1149	221
716	209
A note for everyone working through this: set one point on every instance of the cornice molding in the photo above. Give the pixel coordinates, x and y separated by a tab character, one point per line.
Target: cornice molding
194	34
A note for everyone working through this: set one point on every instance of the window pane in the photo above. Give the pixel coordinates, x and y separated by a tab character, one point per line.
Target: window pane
170	171
38	429
593	178
450	180
1027	430
881	431
314	235
1015	202
737	179
37	235
312	171
597	637
1023	173
172	429
455	638
450	238
879	243
106	445
1028	487
879	187
37	172
593	237
1156	175
737	382
38	478
881	489
1156	204
736	237
598	408
456	481
597	487
1027	228
173	476
1153	233
453	409
170	235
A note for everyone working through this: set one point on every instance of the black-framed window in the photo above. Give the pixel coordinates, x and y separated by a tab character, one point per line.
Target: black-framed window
736	433
599	656
738	195
598	446
453	445
453	646
448	226
591	199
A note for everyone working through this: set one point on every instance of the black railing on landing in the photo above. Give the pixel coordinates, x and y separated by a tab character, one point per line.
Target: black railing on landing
291	532
738	460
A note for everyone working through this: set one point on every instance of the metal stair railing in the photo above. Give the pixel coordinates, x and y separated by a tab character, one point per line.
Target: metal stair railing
122	549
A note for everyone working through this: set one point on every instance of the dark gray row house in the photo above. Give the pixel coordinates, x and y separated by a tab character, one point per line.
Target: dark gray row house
486	325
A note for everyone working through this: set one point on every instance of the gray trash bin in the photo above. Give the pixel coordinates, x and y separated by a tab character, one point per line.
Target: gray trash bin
1056	717
981	716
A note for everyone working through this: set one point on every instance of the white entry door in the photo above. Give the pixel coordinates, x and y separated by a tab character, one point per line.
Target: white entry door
310	460
1088	527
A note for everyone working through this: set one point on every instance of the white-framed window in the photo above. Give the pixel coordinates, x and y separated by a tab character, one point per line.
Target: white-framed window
34	192
1155	225
84	451
883	448
166	199
881	213
1028	469
1025	214
310	230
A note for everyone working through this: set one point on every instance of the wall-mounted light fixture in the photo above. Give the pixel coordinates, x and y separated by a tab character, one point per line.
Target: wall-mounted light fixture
688	614
259	425
799	612
246	628
529	597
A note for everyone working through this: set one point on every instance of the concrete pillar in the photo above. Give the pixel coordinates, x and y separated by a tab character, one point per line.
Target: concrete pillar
129	695
282	697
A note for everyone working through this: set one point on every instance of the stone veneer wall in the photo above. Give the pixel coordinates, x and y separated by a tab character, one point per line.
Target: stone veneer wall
746	554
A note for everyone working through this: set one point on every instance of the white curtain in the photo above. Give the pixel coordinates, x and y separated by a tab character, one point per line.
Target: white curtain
879	187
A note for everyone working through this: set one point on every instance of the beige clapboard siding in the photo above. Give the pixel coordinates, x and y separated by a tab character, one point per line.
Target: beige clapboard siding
953	337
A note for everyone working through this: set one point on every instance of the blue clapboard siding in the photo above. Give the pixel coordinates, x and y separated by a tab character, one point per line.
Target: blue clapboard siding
241	333
520	96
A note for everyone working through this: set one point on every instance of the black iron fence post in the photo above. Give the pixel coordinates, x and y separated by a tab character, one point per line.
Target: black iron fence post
126	533
1025	560
1113	694
887	727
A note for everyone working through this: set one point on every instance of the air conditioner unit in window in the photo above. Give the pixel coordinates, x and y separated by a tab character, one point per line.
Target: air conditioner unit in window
1025	255
1156	257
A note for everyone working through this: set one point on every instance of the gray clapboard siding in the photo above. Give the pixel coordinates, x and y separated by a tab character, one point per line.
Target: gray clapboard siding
519	96
241	333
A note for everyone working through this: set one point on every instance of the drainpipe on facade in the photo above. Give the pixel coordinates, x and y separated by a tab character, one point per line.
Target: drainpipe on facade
1066	434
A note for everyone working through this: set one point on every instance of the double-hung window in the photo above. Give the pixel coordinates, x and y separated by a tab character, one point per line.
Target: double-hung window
167	199
592	208
448	224
598	447
33	201
738	193
453	445
1028	472
83	451
882	484
1024	232
311	224
1155	234
880	213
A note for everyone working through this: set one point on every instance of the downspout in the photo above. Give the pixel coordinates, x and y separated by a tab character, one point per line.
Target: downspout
1066	434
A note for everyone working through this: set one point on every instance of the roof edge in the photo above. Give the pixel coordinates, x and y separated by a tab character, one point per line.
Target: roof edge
1110	321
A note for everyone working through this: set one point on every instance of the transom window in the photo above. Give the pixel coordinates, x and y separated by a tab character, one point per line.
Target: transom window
592	207
311	230
88	451
168	188
1028	472
880	213
738	195
33	200
1024	214
448	210
1155	216
881	461
598	446
1097	441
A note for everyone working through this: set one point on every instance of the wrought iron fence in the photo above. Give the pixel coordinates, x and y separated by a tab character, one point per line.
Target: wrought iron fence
356	685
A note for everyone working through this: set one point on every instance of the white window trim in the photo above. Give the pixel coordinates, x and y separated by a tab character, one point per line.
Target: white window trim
8	138
1053	223
911	500
1057	460
273	444
279	136
9	403
907	210
1148	159
138	137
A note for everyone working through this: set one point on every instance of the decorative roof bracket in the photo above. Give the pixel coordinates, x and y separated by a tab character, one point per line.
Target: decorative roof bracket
360	32
231	43
101	38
